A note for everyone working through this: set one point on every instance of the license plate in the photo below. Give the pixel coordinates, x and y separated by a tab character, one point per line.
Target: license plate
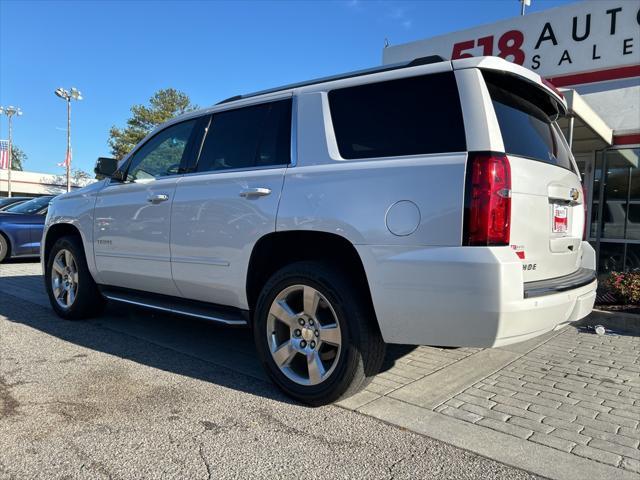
560	218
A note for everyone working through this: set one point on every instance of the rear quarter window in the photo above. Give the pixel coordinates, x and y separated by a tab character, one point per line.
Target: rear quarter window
409	116
526	121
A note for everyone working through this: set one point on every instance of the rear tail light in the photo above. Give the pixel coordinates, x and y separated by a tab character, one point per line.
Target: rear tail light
487	211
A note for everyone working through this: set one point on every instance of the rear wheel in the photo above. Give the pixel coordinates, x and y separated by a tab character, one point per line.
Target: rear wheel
4	248
72	291
316	334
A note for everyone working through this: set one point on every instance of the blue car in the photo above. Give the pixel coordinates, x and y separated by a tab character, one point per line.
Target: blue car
21	228
7	202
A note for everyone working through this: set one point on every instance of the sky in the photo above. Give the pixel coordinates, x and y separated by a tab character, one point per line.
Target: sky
119	52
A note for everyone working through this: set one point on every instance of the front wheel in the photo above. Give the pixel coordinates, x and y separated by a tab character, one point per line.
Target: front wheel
316	334
72	291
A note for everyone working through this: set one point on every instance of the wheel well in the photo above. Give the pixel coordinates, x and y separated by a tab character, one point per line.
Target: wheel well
275	250
55	232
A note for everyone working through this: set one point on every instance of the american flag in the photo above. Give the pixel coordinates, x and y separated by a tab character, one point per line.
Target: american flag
4	154
67	160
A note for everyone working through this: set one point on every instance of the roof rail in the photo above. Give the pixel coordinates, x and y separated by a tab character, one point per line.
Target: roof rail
385	68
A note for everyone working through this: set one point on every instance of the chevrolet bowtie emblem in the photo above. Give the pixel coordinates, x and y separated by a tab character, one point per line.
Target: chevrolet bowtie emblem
575	194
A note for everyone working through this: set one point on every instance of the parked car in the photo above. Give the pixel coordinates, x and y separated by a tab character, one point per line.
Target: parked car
6	202
434	202
21	228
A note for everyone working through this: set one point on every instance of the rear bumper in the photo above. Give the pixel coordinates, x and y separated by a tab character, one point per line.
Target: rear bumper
467	296
580	278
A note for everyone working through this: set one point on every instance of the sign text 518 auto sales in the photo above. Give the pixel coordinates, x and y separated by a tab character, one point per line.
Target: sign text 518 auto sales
579	41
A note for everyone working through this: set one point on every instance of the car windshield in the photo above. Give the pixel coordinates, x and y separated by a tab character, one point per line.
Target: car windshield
31	206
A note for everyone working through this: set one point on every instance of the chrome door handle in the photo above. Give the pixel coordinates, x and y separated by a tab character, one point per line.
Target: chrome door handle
255	192
161	197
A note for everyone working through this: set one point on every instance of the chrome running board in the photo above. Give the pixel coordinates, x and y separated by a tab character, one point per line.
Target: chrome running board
179	306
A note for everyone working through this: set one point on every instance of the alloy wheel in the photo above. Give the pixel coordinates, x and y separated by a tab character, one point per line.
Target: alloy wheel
304	335
64	278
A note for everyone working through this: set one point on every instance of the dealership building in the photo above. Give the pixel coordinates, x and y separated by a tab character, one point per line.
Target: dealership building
35	184
590	50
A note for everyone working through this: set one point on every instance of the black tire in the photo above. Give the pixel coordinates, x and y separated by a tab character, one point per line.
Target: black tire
362	348
4	248
88	301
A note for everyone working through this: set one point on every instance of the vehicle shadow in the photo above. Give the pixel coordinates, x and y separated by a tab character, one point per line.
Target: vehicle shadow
195	348
9	261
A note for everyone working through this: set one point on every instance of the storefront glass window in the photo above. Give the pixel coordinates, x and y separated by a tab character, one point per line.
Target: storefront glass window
611	257
618	219
633	211
616	192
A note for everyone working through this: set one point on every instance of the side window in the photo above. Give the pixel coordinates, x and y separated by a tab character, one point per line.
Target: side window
162	154
408	116
259	135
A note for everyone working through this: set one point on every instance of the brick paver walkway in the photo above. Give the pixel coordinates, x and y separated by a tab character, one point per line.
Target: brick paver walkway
578	392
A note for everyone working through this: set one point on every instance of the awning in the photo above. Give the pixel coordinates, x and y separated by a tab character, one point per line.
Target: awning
584	127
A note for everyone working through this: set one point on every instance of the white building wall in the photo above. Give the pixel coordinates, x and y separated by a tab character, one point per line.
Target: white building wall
35	183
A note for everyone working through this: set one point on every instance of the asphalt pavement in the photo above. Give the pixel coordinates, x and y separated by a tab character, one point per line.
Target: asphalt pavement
140	395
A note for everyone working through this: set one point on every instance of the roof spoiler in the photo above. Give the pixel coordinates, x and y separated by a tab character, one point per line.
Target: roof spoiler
500	65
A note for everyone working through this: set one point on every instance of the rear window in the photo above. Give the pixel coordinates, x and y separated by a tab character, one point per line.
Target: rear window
410	116
526	120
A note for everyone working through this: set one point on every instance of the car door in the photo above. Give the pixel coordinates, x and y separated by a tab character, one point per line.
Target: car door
35	230
132	217
17	227
229	201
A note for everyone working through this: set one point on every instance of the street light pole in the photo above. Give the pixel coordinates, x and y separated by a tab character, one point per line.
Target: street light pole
68	162
10	111
68	95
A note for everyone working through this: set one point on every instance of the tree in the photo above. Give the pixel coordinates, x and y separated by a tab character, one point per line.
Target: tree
79	176
18	157
164	104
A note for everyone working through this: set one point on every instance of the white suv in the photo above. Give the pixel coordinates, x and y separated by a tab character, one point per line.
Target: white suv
433	203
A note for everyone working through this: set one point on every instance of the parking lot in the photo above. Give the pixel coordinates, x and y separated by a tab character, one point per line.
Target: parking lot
135	394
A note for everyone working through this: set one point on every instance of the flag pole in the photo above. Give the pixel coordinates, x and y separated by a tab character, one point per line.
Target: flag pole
9	163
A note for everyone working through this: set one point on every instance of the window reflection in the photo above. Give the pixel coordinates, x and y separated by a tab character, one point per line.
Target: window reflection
632	262
611	257
621	194
620	212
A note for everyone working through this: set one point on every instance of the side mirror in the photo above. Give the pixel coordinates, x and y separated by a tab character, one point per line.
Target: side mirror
106	168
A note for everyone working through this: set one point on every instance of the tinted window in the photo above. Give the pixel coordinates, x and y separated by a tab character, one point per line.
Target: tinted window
527	130
31	206
410	116
634	213
162	154
7	202
247	137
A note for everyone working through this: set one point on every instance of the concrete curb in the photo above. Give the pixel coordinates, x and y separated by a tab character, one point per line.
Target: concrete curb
523	454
